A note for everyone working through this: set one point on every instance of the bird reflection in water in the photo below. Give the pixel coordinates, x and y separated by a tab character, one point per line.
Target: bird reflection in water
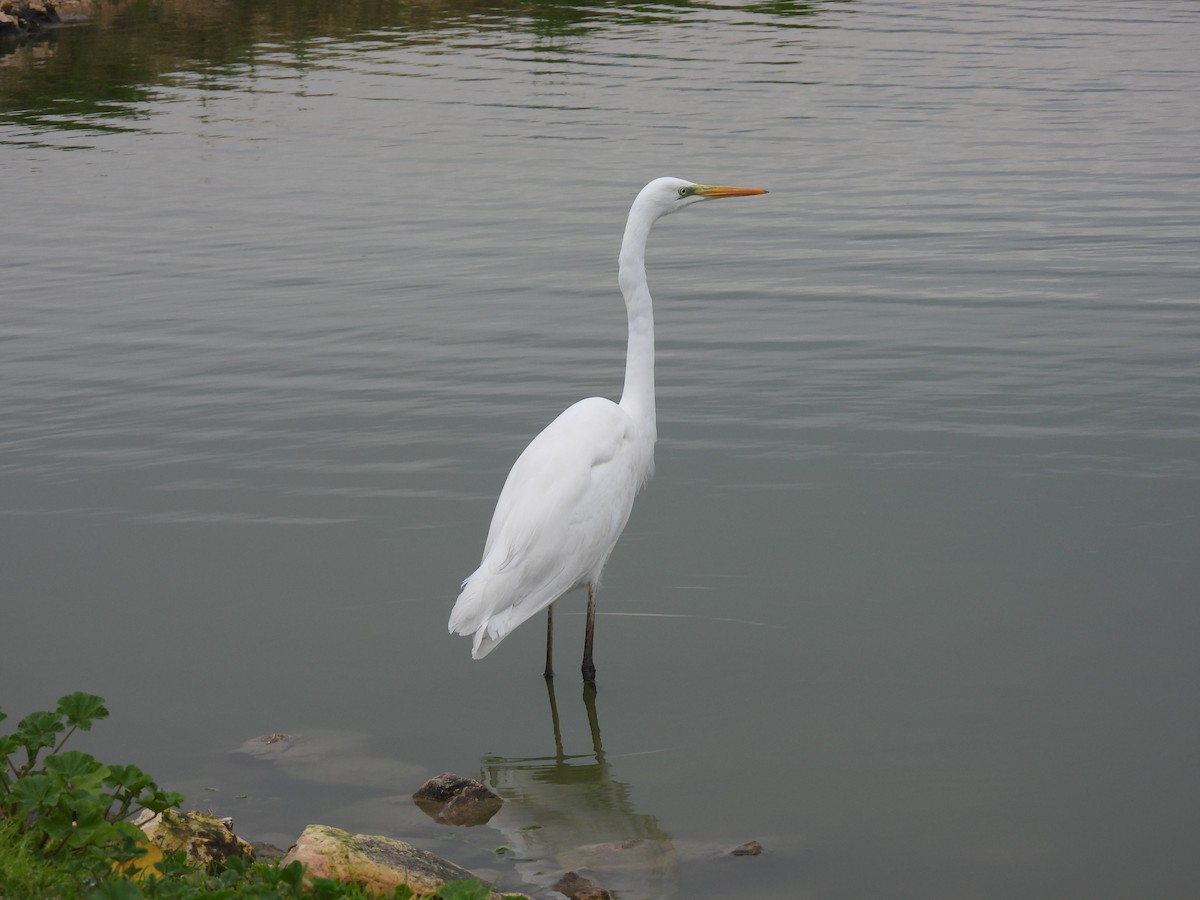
566	812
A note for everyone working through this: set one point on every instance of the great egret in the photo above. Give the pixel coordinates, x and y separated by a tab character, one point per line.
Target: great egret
570	492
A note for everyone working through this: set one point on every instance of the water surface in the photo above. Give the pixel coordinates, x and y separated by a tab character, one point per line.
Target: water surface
912	597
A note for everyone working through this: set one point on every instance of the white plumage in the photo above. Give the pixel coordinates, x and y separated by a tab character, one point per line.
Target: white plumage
570	492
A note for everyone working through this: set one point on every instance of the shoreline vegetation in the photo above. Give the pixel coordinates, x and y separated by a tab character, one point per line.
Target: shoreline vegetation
74	828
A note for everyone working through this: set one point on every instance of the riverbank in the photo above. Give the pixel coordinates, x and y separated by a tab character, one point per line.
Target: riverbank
32	16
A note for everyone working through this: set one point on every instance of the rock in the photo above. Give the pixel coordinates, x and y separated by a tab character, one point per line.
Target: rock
379	864
266	746
27	16
264	851
444	787
750	848
571	883
632	855
327	756
454	800
206	840
576	887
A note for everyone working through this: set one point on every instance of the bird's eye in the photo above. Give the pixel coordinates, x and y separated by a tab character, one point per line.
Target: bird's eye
683	191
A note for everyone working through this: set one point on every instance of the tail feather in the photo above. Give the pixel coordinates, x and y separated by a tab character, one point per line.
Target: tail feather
486	608
475	613
469	614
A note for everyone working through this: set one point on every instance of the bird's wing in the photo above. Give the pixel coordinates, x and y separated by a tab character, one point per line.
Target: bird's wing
563	506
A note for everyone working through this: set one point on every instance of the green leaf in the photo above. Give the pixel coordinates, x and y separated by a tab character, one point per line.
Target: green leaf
81	709
38	730
174	865
130	777
237	865
156	800
129	844
58	823
292	874
35	792
9	744
117	889
90	811
76	769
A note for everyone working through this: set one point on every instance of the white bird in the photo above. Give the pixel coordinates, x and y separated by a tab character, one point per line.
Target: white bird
570	492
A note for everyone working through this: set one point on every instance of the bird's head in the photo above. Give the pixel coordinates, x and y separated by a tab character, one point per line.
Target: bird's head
668	195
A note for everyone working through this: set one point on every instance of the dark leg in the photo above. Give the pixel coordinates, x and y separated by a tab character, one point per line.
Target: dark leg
549	673
558	743
589	703
589	668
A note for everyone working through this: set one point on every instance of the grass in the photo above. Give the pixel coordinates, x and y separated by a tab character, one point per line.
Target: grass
65	832
24	873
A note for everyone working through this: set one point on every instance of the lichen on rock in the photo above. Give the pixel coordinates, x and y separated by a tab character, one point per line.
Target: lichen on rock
206	840
379	864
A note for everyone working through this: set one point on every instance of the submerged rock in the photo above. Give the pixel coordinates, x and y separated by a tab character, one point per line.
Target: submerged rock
206	840
576	887
627	856
379	864
454	800
264	851
327	756
750	848
266	746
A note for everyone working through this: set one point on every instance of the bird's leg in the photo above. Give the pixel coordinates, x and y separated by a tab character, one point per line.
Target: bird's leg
558	741
589	704
589	668
549	673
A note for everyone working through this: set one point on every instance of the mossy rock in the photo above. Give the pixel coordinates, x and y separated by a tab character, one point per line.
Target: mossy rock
377	864
207	841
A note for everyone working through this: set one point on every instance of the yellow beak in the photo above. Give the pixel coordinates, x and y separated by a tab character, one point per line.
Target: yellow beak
716	191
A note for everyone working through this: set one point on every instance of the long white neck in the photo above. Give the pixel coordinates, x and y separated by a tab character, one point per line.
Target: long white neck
638	397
